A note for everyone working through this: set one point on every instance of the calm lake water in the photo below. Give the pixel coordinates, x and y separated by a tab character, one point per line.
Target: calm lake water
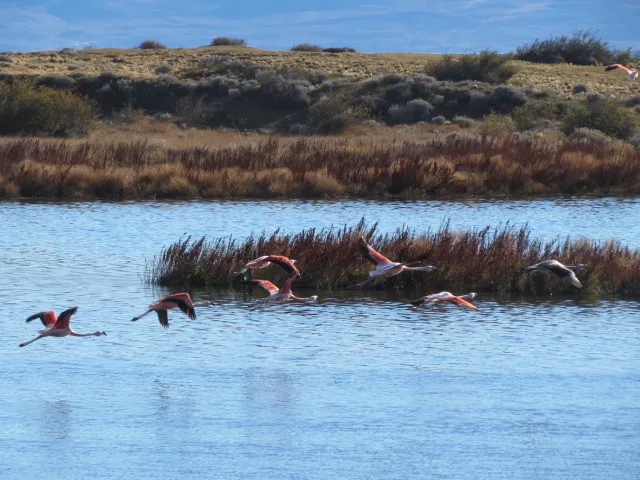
355	386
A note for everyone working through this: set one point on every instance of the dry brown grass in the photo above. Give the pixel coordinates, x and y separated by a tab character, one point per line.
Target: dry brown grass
358	166
143	63
479	260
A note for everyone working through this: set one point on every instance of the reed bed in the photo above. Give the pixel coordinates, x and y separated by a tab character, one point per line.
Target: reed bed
482	260
455	164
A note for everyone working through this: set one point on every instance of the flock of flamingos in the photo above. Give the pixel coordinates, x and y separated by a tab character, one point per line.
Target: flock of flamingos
59	326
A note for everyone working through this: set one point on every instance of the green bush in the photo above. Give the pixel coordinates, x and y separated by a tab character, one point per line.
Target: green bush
495	125
486	66
151	45
605	115
228	41
26	109
582	48
332	114
306	47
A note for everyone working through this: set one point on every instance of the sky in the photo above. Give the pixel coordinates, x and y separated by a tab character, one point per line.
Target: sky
438	26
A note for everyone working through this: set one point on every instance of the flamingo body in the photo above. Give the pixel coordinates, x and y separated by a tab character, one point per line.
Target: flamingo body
632	73
282	294
560	270
283	262
461	300
385	267
177	300
57	327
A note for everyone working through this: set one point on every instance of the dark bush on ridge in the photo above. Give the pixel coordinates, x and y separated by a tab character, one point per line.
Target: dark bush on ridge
282	92
228	41
151	45
339	50
332	114
26	109
417	110
581	48
306	47
486	66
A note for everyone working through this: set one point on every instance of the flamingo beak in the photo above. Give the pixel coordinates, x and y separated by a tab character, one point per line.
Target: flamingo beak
104	333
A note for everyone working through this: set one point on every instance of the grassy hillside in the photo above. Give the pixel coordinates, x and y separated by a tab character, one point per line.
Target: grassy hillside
185	63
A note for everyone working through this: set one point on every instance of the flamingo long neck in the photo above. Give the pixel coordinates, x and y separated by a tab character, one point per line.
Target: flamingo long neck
426	268
94	334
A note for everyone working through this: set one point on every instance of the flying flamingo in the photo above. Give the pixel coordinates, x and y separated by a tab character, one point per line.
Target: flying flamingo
177	300
632	73
57	327
560	270
282	294
261	262
446	297
384	266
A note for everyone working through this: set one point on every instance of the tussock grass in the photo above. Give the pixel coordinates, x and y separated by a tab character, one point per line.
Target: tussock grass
455	164
485	260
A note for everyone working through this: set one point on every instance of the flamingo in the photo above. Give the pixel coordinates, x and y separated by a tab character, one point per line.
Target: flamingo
177	300
280	294
261	262
57	327
560	270
446	297
632	73
384	266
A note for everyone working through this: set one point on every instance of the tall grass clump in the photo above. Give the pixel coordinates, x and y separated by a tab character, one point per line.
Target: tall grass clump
486	66
27	109
581	48
151	45
481	260
228	41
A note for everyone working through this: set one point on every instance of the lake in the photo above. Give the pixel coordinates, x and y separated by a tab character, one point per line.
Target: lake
354	386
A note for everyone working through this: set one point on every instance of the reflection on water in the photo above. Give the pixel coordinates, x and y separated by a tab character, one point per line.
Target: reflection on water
356	385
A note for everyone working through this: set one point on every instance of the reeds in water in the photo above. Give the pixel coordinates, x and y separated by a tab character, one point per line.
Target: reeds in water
456	164
484	260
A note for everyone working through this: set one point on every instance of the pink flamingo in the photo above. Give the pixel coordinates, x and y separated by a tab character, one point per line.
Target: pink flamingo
446	297
632	73
57	327
261	262
177	300
560	270
283	294
384	266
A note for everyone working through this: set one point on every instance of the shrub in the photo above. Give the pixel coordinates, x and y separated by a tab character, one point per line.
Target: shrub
486	66
163	69
306	47
439	120
605	115
414	111
582	48
281	91
632	101
151	45
332	114
464	122
589	135
74	66
56	81
216	86
26	109
580	88
495	125
228	41
5	58
505	98
339	50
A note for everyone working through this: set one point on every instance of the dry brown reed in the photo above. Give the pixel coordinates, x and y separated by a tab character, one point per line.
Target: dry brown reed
484	260
455	164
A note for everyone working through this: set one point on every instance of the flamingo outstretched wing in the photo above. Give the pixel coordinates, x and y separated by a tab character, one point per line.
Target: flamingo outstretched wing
463	302
286	288
266	284
617	65
283	262
163	318
47	318
369	253
64	318
183	302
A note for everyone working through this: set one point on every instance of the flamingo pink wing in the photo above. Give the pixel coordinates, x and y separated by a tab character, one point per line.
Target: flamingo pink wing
266	284
369	253
64	318
284	262
183	302
47	318
461	301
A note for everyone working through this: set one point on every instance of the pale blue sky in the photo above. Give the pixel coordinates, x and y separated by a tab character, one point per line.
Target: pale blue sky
367	25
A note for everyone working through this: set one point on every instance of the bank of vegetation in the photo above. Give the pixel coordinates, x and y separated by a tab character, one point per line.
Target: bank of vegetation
481	260
454	164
